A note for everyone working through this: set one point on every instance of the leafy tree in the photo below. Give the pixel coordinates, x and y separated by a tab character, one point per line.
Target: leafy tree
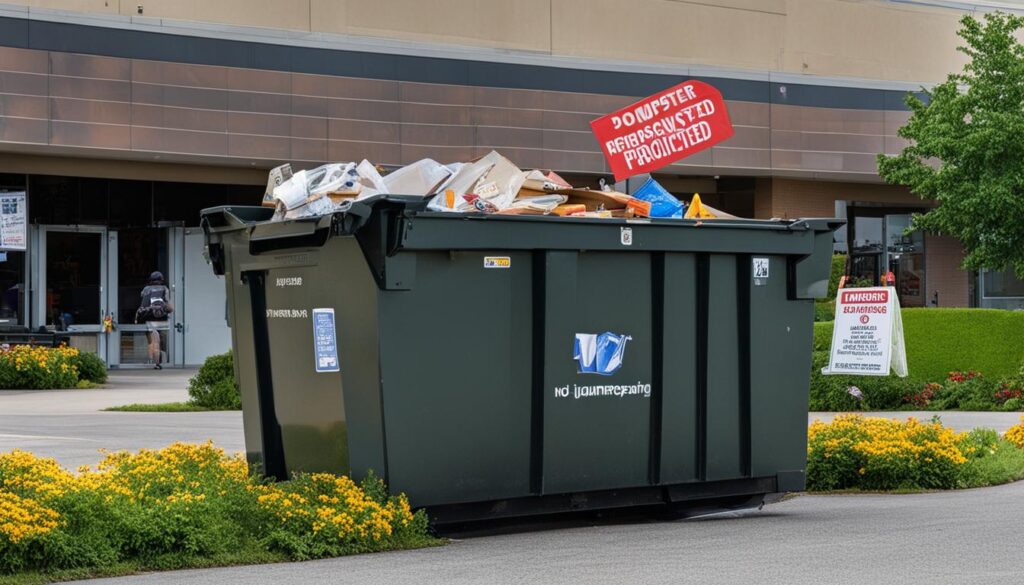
967	147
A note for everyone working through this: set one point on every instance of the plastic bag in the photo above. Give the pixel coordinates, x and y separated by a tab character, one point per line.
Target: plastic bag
663	203
599	353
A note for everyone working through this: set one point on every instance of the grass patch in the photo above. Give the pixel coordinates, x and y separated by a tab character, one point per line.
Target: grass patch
939	341
164	407
1002	464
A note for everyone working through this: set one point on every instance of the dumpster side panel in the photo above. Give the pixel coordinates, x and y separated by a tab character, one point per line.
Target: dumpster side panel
308	403
597	427
356	309
726	431
240	310
456	362
780	362
680	441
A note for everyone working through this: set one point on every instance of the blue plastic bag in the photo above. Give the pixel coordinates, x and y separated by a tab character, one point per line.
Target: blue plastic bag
599	353
663	203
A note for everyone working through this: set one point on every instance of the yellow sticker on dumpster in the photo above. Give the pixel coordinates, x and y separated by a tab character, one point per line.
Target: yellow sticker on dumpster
497	262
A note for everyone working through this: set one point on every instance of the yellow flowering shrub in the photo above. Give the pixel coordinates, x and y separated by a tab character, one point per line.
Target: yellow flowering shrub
186	499
881	454
1015	434
38	368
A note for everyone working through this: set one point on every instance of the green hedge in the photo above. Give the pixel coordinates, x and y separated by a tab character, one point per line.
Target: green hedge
214	386
939	341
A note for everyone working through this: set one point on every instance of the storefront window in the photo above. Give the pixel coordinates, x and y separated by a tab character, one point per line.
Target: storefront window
12	283
1002	283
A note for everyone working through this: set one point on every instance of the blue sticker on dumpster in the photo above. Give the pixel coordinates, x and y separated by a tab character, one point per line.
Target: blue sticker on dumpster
599	353
325	342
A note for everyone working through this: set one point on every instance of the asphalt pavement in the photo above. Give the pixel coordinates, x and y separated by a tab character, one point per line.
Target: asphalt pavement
963	537
71	426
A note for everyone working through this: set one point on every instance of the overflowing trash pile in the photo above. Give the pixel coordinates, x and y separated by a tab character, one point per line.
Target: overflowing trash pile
489	184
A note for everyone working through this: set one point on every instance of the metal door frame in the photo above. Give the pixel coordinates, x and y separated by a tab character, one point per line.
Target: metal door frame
38	280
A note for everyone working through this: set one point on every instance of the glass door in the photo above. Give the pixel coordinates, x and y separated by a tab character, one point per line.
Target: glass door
139	253
905	259
72	295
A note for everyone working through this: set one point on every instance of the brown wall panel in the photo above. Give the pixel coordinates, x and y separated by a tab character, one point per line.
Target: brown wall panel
439	135
248	101
508	98
411	153
179	96
24	106
310	106
24	130
90	135
494	116
179	118
585	103
259	80
103	112
741	158
564	140
24	83
380	153
573	161
434	114
179	141
356	130
808	119
433	93
93	89
275	148
24	60
304	127
216	112
304	149
509	137
353	109
267	124
567	121
92	66
162	72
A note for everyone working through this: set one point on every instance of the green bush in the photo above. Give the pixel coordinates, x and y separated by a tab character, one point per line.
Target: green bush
824	310
186	505
823	336
833	393
214	385
24	367
971	391
91	367
837	272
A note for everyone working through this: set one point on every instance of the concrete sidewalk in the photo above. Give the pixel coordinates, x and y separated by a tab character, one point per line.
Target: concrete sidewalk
71	426
955	419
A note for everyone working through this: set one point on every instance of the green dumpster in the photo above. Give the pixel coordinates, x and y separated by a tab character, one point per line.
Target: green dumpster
492	366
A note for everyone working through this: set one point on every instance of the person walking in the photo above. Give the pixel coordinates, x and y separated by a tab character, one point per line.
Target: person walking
154	308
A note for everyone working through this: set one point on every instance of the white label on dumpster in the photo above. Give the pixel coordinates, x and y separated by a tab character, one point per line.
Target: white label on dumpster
867	338
497	262
626	236
325	342
760	271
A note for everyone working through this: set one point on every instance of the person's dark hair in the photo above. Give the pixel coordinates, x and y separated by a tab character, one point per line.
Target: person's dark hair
156	277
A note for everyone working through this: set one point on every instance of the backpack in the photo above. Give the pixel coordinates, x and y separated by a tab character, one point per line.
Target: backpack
154	306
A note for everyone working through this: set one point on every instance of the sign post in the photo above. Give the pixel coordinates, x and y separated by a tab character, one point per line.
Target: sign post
867	337
663	128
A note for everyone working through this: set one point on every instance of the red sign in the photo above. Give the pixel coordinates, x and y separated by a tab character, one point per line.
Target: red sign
663	128
871	296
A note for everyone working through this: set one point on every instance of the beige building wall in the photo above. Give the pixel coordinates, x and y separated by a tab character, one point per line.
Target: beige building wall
792	198
942	257
865	39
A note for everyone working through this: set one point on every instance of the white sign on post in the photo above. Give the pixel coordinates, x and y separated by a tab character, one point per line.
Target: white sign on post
13	221
867	338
